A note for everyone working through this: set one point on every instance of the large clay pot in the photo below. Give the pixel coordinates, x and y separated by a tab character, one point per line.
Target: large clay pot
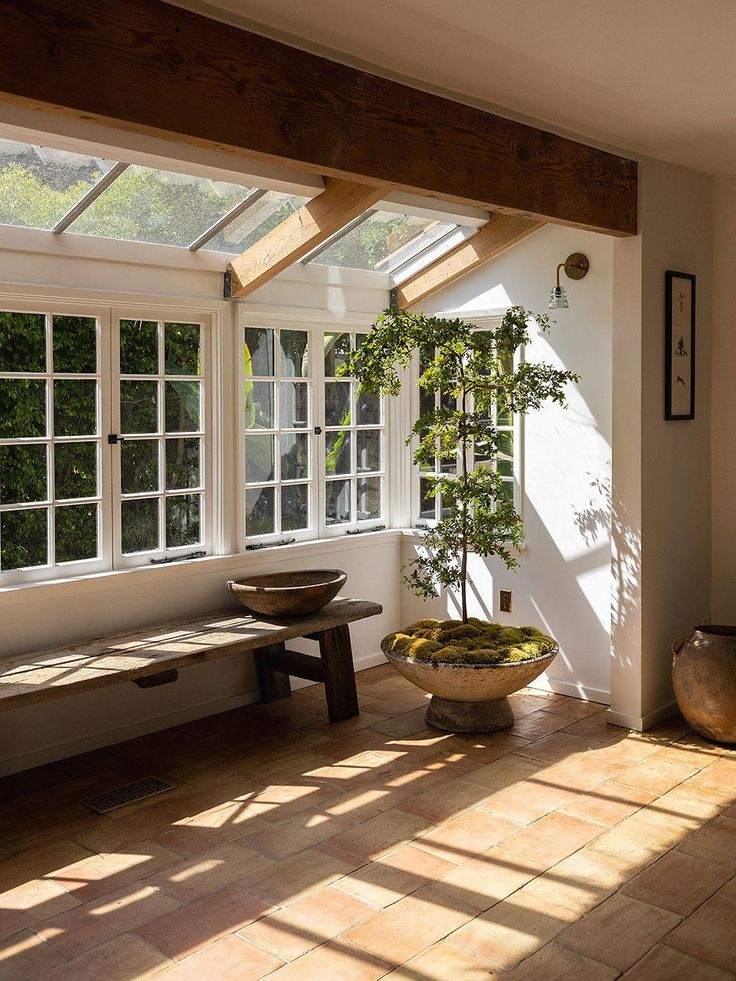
704	679
469	697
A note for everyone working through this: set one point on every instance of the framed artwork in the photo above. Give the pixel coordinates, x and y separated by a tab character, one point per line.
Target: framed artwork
679	306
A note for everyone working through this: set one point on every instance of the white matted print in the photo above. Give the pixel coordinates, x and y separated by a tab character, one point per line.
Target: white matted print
679	345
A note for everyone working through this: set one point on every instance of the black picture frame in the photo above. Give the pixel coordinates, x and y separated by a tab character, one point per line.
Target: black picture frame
679	368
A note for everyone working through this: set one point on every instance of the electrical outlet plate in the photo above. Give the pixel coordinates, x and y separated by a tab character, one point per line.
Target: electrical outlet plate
505	604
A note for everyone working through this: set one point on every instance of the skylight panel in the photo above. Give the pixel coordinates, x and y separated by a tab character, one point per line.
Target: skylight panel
428	237
38	185
382	242
159	207
268	212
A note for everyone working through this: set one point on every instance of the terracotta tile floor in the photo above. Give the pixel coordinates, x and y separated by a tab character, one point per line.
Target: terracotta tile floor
563	848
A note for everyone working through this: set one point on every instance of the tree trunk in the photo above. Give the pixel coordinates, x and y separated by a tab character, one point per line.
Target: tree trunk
464	562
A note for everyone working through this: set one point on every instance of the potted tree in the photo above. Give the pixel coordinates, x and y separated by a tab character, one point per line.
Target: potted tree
469	665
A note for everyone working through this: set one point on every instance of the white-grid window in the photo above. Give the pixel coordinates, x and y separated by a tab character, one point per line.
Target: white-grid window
279	438
160	438
314	443
51	454
428	507
102	440
354	452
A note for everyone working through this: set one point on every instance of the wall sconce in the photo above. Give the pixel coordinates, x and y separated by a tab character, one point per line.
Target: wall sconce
576	266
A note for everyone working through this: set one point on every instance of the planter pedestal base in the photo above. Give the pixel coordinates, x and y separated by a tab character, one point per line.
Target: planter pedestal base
453	716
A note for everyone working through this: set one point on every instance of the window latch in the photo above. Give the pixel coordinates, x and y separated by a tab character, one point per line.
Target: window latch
363	531
258	545
113	438
179	558
317	430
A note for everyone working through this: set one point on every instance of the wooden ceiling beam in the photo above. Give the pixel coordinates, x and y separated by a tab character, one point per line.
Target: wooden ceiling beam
501	232
339	203
152	67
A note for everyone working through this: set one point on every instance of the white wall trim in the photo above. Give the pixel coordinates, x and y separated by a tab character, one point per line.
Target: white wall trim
29	293
268	315
99	248
573	689
641	723
226	564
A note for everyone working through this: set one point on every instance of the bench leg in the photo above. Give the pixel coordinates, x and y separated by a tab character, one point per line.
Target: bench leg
273	685
337	662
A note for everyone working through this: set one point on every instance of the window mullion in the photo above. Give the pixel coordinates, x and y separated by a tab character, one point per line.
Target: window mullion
319	442
112	453
50	454
161	438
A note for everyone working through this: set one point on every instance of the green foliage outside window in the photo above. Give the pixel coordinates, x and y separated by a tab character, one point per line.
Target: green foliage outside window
29	201
25	468
371	242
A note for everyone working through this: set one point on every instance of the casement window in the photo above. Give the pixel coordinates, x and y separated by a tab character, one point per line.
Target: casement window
102	440
314	443
354	494
52	457
428	507
277	404
159	441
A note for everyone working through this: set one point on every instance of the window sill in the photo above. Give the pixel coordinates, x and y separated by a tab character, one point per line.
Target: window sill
417	534
239	563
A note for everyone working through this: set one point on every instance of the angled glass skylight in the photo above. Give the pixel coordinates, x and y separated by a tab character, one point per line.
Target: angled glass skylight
268	212
158	206
38	185
383	241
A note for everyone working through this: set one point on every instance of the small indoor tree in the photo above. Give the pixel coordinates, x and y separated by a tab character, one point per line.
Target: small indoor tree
480	378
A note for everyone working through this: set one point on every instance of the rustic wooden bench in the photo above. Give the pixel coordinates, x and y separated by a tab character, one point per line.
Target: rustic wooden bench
152	656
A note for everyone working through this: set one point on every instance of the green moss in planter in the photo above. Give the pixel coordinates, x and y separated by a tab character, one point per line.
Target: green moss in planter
474	642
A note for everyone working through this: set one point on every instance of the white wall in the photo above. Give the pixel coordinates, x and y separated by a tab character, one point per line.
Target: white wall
724	403
563	584
661	469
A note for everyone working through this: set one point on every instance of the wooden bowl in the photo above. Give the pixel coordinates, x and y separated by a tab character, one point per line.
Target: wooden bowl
288	594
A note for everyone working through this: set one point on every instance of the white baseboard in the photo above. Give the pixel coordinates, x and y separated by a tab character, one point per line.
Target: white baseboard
108	737
640	723
573	689
371	660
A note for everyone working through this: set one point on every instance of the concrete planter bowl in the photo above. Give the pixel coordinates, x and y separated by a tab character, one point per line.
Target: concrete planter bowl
704	680
469	697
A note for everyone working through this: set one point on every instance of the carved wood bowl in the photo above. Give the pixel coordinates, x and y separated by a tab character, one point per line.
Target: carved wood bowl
288	594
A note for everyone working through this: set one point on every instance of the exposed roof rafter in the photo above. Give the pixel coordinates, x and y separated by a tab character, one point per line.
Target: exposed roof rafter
300	233
501	232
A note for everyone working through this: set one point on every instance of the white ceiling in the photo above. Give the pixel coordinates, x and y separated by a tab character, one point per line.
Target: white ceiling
656	77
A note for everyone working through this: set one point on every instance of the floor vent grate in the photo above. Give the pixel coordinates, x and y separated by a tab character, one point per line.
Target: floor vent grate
109	800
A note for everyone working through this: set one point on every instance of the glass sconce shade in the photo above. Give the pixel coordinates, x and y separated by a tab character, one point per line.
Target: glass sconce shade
558	298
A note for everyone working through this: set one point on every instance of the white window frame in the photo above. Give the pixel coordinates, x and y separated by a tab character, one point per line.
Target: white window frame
319	529
108	499
277	537
482	322
359	525
103	561
162	315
